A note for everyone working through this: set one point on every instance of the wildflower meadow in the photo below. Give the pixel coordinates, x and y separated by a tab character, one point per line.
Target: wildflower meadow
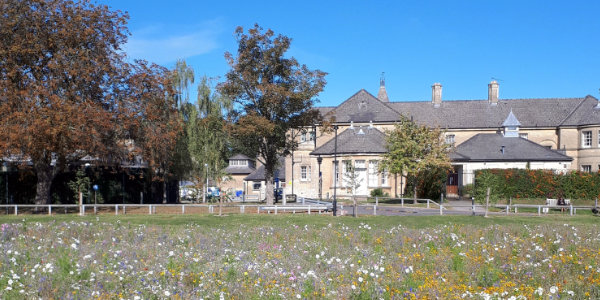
306	257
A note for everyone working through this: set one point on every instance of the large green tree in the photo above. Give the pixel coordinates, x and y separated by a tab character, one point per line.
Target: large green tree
274	94
414	148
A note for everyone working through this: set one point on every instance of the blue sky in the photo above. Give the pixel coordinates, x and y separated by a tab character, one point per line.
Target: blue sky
535	49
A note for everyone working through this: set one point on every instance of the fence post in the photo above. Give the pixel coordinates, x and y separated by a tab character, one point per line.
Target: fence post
571	209
472	206
539	210
150	209
376	200
258	209
124	209
375	210
487	202
596	202
402	201
82	210
275	209
116	209
95	210
16	210
508	209
309	209
441	209
183	209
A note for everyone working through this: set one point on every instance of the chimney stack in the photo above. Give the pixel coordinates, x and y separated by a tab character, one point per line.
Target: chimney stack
493	92
436	94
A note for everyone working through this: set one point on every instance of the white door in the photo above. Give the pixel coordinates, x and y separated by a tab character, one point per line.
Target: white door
362	180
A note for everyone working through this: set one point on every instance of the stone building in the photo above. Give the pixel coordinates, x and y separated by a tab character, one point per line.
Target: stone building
564	130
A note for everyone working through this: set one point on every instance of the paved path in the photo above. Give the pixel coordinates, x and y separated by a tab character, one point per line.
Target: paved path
454	207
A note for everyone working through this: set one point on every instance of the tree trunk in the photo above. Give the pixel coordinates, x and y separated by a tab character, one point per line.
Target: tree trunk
269	172
269	189
45	175
355	213
396	185
415	191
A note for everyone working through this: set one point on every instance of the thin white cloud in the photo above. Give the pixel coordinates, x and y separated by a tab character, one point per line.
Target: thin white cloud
153	46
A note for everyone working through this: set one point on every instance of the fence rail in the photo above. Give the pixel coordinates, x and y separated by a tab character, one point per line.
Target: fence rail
303	206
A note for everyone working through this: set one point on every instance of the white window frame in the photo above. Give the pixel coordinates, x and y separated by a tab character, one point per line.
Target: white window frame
586	168
360	164
305	173
450	139
373	173
586	139
345	164
336	173
384	178
254	185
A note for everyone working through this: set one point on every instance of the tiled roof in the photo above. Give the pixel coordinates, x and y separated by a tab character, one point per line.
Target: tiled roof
237	170
464	114
240	156
586	113
489	148
355	140
549	112
363	107
259	174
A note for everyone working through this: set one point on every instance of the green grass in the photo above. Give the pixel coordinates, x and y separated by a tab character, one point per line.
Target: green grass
236	220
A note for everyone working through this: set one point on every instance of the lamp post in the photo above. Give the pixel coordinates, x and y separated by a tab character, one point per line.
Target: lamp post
206	185
319	161
335	170
5	170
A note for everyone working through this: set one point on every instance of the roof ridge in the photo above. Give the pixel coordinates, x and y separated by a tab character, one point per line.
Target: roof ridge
572	112
485	100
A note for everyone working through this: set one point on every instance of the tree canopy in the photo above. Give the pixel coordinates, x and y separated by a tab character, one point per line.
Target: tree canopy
273	94
413	148
66	90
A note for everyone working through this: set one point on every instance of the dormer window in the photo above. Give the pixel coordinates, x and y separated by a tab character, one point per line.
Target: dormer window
238	162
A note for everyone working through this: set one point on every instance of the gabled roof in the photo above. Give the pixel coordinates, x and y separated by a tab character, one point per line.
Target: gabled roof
363	107
485	147
355	140
259	174
586	112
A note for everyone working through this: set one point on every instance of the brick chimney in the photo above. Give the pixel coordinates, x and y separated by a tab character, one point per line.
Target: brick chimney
493	92
436	94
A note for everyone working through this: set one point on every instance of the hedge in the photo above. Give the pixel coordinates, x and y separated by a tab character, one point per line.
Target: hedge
524	183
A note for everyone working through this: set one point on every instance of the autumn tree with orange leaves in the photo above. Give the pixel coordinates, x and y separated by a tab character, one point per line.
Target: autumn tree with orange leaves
67	92
275	94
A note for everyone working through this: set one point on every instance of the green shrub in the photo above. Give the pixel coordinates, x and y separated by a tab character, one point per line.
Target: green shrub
378	192
520	183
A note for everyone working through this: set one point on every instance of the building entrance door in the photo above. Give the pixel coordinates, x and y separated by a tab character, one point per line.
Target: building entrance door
452	185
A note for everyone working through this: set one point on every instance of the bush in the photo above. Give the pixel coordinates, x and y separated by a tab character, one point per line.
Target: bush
520	183
378	192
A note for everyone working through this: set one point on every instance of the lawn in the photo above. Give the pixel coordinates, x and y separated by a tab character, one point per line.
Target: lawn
298	256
